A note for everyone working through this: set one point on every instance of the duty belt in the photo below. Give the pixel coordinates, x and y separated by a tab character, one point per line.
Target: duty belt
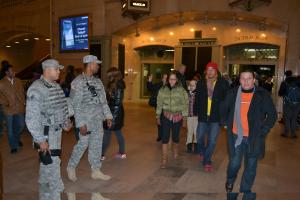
55	152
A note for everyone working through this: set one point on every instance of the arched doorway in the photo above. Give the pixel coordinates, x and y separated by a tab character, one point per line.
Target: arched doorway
195	44
259	57
155	60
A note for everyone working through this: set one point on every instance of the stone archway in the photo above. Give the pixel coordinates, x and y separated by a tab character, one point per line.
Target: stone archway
22	49
155	60
169	30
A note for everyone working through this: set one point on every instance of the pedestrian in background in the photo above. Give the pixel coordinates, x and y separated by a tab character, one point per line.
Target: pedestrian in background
12	99
181	76
192	119
290	91
115	96
154	89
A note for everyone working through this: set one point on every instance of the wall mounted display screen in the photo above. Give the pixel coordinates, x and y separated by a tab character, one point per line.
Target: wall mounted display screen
74	33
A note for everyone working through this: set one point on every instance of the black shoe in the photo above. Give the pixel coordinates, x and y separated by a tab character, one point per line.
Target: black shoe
228	187
158	139
294	137
232	196
249	196
283	135
189	148
13	151
20	144
195	148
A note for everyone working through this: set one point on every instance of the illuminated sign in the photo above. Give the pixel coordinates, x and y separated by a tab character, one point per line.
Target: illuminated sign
135	8
139	4
250	37
74	33
198	42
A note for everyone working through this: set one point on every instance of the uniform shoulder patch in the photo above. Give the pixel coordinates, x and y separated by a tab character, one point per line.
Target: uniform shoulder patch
77	82
35	92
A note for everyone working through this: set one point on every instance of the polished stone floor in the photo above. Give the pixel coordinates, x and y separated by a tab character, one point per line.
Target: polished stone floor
139	176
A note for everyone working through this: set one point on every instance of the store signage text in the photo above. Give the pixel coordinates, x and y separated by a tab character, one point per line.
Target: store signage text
202	43
249	37
139	4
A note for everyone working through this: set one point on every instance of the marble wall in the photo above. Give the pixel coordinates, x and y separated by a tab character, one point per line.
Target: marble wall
223	31
108	23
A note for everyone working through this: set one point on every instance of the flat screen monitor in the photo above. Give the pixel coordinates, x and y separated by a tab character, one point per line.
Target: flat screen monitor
74	33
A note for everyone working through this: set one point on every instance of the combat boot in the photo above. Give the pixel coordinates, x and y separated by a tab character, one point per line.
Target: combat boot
71	174
98	196
97	174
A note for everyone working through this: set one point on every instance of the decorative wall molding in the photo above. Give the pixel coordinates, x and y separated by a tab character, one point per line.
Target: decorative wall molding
13	3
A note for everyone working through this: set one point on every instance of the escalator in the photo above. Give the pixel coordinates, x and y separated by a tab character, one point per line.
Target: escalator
32	72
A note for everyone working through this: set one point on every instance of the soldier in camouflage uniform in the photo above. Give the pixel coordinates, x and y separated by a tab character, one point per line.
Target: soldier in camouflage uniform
47	114
90	110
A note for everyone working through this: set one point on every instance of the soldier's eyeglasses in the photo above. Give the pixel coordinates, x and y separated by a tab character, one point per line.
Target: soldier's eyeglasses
92	90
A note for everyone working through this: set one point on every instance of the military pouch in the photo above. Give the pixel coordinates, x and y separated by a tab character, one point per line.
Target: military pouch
87	133
45	157
36	146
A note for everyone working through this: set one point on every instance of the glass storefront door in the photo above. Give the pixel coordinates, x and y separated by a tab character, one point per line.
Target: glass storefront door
157	70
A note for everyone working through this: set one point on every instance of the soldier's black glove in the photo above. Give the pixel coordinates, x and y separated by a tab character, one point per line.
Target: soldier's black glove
45	157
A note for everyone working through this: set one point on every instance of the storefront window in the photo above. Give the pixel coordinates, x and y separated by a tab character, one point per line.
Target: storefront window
156	60
252	51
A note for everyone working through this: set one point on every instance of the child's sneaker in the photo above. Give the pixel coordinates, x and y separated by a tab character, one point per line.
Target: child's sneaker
102	158
121	155
208	168
201	157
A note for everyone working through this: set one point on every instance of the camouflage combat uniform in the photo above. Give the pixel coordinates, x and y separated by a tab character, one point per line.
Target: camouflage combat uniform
90	108
47	107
